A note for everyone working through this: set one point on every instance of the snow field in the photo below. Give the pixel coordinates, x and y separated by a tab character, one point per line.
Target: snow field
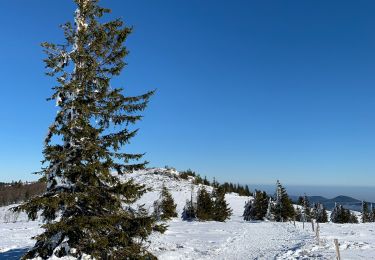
234	239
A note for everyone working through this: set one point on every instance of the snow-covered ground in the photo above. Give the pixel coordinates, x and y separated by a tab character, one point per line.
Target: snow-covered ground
234	239
357	241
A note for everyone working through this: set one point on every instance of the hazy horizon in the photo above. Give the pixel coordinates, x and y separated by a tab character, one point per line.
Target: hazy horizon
365	193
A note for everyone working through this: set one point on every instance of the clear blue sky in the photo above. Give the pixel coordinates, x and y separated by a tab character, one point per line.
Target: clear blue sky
248	91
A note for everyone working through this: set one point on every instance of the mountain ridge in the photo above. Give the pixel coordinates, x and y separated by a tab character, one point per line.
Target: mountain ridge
346	201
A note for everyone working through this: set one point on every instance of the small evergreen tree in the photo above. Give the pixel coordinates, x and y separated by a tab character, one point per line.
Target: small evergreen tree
300	201
186	174
215	184
83	204
204	205
248	213
283	209
166	206
256	209
269	214
189	212
205	181
298	214
220	209
247	190
341	215
306	211
366	216
319	213
352	217
372	214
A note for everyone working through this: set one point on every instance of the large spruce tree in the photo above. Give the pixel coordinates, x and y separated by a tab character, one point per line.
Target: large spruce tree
84	206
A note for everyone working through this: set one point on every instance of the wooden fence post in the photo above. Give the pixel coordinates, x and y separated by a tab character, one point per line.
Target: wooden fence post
303	224
317	233
336	241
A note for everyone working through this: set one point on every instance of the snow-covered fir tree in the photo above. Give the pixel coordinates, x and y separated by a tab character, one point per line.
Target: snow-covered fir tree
282	209
298	214
303	212
165	208
269	214
319	213
83	204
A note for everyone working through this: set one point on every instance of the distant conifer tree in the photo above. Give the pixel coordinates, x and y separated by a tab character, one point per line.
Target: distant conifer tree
205	181
269	214
189	212
247	191
215	184
341	215
204	205
220	208
283	208
300	201
298	214
256	209
165	208
319	213
82	206
306	210
372	213
248	212
366	216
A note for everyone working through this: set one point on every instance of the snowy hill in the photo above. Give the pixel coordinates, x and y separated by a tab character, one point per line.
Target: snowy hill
234	239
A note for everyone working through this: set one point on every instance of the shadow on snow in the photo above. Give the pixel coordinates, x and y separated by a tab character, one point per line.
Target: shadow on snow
16	253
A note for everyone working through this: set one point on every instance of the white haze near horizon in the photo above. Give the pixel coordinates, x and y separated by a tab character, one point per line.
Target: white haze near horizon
329	192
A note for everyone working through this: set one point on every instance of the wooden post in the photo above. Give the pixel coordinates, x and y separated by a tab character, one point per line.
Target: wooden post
294	221
312	225
336	241
317	233
303	223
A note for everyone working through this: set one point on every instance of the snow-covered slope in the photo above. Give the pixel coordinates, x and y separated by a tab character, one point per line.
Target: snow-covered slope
234	239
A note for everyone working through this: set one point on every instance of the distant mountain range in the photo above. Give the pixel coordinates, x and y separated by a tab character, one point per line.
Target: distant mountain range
346	201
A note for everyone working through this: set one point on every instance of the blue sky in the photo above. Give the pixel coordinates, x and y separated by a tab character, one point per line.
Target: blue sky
248	91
